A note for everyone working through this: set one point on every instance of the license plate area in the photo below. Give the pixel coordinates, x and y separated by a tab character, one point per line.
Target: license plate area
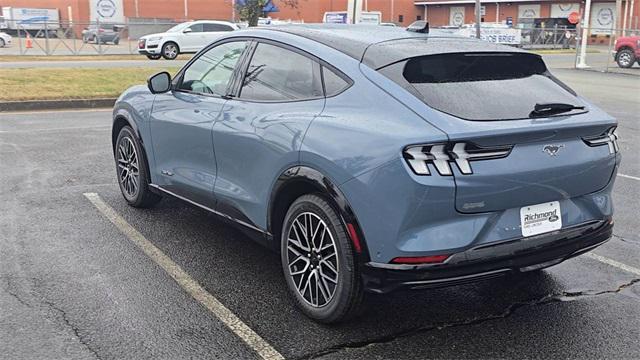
540	218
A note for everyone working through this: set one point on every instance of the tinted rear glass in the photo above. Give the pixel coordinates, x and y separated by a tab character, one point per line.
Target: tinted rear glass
482	86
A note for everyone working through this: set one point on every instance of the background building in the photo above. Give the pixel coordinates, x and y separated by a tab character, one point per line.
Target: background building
401	12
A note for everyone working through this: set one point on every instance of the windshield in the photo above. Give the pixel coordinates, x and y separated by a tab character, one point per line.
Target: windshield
179	27
484	86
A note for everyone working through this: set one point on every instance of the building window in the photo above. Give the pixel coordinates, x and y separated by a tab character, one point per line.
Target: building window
419	17
400	18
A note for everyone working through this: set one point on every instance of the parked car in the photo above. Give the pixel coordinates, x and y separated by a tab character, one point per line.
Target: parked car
101	34
188	37
5	39
627	51
374	160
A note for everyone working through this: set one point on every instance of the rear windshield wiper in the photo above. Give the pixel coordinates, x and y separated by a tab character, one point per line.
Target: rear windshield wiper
552	109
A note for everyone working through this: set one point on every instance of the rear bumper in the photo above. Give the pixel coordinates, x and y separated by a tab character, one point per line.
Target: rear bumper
490	260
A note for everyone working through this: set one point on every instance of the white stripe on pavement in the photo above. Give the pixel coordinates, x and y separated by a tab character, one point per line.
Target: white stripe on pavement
629	177
244	332
614	263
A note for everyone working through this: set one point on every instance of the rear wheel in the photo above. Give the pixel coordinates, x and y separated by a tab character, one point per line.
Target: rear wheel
319	263
170	51
116	41
154	56
2	43
625	58
131	167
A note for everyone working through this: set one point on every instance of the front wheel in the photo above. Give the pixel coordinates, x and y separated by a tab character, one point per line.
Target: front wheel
319	262
131	166
625	58
170	51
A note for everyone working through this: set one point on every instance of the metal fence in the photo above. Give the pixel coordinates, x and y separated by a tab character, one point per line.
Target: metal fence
600	51
557	37
74	38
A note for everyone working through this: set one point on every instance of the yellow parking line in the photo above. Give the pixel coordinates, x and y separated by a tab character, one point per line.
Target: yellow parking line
244	332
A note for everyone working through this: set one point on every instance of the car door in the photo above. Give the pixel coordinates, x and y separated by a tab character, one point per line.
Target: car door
260	131
191	39
182	119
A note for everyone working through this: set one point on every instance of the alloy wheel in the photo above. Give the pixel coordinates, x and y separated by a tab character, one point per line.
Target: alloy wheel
312	259
170	51
128	169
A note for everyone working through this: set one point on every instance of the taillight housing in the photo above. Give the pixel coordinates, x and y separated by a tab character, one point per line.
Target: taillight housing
609	138
440	156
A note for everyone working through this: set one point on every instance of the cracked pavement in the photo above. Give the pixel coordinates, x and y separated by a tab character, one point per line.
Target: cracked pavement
72	286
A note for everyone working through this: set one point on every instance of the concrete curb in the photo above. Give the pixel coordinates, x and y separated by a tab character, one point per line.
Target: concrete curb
34	105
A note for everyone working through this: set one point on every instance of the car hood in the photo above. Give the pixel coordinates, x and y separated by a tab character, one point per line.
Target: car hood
164	34
5	36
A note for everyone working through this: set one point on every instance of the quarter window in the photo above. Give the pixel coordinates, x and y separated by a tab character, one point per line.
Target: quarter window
333	83
211	72
277	74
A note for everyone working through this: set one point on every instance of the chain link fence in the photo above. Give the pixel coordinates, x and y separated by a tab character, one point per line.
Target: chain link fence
608	50
75	38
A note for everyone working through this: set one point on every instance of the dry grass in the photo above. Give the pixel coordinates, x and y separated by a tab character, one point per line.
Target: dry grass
82	83
21	58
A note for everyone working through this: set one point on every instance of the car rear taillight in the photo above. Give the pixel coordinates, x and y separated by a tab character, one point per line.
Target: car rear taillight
433	259
609	138
420	157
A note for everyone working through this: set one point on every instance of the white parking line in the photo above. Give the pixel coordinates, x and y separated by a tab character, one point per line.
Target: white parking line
244	332
614	263
629	177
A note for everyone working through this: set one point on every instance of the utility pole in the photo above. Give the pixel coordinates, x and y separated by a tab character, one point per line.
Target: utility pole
585	31
478	19
186	10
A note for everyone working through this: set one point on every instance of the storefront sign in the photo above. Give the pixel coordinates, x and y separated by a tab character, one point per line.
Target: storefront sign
107	11
602	18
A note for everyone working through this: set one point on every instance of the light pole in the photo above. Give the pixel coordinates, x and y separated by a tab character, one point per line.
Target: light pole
478	19
585	30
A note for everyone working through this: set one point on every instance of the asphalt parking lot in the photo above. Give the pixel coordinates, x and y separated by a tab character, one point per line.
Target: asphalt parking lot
84	281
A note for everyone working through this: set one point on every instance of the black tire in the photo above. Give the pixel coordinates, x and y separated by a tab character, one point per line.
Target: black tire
1	43
84	40
625	58
346	300
170	50
142	197
116	41
154	56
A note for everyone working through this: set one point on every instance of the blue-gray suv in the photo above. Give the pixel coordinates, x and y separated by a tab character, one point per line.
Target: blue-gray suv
375	158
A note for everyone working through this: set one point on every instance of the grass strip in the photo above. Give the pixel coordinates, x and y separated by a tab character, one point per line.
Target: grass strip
61	84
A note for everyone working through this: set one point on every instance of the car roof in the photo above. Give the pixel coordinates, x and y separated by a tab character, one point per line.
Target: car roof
378	46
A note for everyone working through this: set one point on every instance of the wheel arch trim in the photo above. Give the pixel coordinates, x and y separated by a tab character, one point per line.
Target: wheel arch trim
327	187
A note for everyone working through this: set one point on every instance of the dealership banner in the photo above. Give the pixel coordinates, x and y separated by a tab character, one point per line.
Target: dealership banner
603	18
106	11
507	36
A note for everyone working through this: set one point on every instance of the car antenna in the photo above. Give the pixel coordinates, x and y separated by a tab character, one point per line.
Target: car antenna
419	26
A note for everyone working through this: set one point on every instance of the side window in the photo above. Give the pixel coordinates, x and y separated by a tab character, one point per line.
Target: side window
211	27
277	74
196	28
333	83
211	72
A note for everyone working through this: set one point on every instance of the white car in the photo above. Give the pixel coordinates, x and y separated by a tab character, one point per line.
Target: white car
5	39
188	37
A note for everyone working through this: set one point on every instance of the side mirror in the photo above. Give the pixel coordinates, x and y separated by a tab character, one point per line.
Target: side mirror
159	83
187	30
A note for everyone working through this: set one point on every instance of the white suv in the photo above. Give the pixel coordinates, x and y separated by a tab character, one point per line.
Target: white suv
188	37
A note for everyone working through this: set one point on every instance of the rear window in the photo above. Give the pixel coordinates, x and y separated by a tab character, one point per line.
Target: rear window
482	86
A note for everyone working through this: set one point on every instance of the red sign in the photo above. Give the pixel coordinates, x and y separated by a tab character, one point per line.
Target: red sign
574	17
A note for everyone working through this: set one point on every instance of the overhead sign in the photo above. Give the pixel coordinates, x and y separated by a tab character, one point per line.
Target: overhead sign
508	36
106	11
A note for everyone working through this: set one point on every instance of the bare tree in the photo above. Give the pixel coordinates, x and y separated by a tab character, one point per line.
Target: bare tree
251	10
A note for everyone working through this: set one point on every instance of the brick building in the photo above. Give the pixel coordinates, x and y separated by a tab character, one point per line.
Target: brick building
401	12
